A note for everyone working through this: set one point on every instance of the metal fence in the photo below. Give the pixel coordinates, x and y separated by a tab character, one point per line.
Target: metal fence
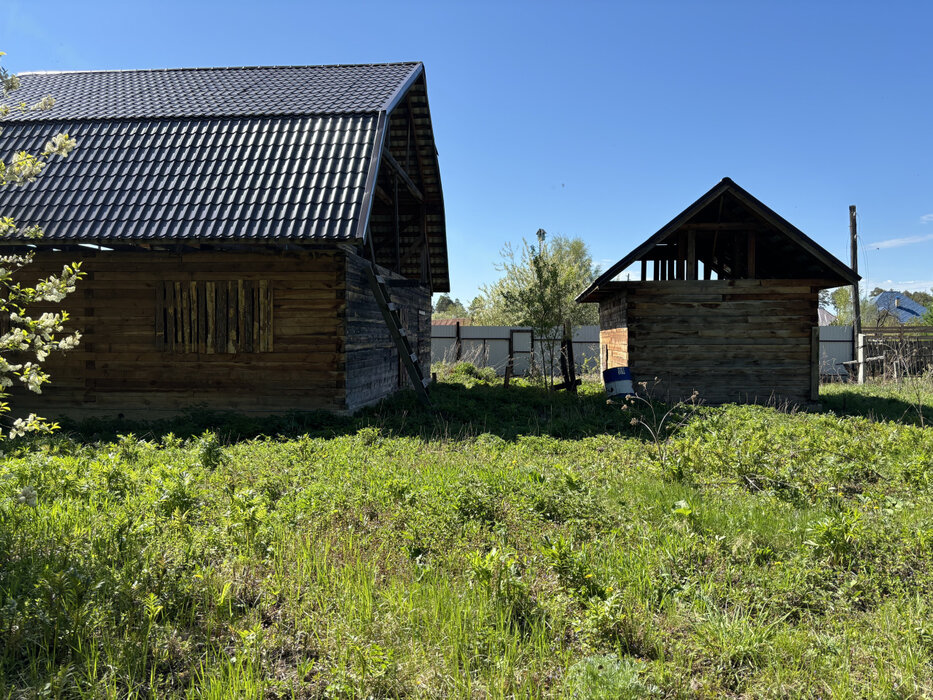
903	350
490	346
835	349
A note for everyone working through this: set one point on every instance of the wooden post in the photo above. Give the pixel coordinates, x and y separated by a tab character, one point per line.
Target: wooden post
457	345
860	357
568	368
572	380
856	302
691	254
815	363
737	262
751	255
510	365
681	258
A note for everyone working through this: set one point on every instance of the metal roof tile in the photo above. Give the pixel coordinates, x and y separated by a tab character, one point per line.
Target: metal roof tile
205	153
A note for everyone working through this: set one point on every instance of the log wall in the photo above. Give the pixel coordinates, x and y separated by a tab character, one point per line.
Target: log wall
613	333
373	367
731	340
124	365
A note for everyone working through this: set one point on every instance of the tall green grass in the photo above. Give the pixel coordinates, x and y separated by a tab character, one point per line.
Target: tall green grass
516	543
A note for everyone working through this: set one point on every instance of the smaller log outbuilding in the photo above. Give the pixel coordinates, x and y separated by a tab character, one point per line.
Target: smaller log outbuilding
724	302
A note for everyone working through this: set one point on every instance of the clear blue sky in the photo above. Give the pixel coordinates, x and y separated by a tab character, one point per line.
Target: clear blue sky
597	120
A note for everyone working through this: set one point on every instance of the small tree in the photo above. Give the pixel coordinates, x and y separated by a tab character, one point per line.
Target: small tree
29	338
539	288
841	299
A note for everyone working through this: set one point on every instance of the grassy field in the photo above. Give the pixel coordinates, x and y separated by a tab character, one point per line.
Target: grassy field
515	544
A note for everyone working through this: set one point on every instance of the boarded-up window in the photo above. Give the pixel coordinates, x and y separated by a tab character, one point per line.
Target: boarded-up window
214	317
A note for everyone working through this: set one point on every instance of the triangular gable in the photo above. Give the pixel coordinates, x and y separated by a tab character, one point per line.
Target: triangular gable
727	216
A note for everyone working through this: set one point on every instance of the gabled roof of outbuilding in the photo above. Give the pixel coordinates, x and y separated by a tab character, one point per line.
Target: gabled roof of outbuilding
260	154
810	252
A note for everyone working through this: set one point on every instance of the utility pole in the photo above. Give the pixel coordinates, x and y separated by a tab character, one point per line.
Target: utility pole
856	301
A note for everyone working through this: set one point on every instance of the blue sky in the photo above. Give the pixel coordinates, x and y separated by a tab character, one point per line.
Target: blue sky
591	119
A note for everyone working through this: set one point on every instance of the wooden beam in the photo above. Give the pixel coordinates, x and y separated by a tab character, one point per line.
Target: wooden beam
726	226
644	269
681	258
751	254
427	244
691	255
400	171
383	195
398	233
372	246
737	262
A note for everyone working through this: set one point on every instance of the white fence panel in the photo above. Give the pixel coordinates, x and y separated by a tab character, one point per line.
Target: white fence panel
488	346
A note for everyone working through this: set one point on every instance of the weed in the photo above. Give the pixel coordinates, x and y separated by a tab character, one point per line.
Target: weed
210	451
499	574
838	536
517	545
661	421
607	678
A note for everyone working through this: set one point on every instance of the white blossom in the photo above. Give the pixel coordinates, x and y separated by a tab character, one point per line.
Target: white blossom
38	336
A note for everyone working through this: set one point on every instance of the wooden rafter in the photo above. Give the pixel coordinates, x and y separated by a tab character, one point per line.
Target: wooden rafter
400	172
383	195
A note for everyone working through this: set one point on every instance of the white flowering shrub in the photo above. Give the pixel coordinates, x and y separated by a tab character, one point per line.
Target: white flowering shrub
28	339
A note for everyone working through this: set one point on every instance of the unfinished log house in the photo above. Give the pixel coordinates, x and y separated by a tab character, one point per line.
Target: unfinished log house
227	221
722	300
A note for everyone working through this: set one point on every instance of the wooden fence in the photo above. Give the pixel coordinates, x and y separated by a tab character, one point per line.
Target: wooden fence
893	353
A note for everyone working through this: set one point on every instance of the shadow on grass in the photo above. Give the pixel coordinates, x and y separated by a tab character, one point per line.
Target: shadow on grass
459	410
880	403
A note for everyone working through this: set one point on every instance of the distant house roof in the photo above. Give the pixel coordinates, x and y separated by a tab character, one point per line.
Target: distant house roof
450	321
825	317
902	307
263	154
784	251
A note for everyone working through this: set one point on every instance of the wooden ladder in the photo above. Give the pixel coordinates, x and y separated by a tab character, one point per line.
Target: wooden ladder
399	334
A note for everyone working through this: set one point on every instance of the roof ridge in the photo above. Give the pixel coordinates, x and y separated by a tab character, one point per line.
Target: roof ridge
217	68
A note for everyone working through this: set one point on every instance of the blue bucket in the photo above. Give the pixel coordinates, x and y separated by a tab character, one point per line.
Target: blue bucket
618	381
